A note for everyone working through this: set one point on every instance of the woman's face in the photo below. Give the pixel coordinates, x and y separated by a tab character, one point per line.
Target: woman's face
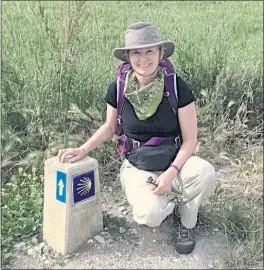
144	61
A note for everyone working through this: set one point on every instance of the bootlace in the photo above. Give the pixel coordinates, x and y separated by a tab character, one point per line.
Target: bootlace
184	232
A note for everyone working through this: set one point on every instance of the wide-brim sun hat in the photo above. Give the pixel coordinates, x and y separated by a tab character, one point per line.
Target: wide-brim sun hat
142	35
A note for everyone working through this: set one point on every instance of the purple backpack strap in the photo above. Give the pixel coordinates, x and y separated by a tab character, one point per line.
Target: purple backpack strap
166	64
171	93
159	140
120	86
171	84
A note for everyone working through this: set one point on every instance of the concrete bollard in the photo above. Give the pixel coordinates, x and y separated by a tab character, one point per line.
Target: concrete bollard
72	204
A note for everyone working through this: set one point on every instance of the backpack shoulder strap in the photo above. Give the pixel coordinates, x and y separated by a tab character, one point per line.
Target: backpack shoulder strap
171	90
120	86
121	70
120	99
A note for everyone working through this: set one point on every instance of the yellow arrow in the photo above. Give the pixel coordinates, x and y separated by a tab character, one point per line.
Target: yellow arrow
61	186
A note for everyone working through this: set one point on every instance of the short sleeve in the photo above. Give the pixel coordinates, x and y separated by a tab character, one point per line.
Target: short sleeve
110	96
185	94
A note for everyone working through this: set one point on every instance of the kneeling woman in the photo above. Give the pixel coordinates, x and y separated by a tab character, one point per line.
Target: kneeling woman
148	113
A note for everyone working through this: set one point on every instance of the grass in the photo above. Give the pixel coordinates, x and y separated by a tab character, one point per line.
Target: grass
57	62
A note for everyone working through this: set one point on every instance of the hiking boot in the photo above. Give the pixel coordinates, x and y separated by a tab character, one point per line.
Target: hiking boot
185	238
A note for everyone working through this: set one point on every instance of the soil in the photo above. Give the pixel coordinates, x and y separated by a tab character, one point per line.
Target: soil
126	245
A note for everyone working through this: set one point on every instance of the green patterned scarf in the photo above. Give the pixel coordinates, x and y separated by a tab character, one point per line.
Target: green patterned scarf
147	99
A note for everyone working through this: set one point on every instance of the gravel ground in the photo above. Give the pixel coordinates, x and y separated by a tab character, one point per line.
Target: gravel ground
127	245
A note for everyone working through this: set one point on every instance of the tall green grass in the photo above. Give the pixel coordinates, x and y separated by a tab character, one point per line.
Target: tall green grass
57	62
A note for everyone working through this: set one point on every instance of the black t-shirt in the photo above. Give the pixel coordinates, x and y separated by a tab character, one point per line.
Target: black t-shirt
163	123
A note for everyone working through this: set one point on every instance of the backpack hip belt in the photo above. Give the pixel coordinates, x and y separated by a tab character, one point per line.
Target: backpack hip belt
127	144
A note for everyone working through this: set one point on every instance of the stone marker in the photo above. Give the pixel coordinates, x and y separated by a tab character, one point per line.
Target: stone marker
72	204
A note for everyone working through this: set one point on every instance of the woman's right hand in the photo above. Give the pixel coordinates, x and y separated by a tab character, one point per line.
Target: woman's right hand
72	154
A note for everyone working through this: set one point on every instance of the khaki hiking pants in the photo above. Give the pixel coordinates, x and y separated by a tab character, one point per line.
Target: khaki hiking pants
197	177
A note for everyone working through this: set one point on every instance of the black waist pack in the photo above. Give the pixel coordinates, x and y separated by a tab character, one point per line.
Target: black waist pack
153	157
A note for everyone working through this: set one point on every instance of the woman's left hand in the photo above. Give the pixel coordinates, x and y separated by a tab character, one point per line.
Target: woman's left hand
164	182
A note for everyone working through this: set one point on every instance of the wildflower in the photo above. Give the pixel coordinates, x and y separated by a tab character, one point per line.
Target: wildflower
20	170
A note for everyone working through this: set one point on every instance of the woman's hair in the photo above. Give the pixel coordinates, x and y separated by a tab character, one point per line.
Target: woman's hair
161	50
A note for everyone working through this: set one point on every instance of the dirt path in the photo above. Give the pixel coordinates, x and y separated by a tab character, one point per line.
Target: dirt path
124	254
128	245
